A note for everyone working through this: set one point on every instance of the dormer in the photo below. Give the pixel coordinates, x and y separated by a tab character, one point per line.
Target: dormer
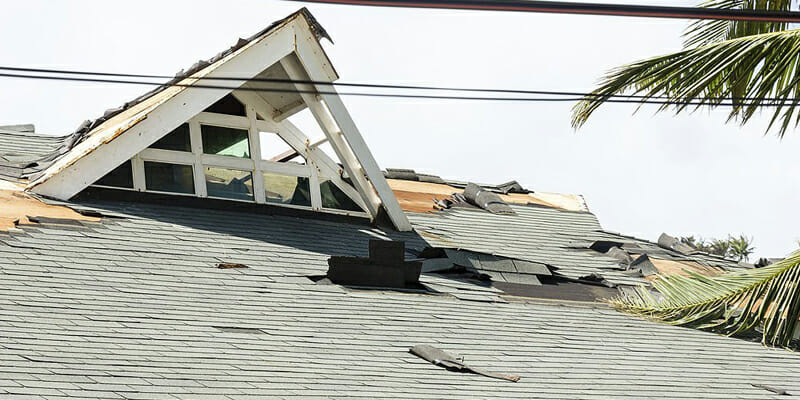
221	130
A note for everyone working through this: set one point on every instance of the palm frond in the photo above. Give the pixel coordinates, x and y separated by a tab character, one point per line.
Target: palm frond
764	69
703	32
766	299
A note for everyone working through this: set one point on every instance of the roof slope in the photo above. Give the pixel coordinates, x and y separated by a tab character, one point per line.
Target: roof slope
135	308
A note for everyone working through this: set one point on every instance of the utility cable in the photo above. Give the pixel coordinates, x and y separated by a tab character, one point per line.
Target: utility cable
560	7
581	95
777	103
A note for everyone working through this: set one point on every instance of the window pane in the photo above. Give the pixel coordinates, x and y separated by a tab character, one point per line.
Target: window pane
177	140
228	105
274	149
225	141
165	177
121	176
229	183
283	189
333	197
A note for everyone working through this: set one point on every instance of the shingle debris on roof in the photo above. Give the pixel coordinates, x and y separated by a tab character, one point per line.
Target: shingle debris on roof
442	358
23	152
135	308
536	234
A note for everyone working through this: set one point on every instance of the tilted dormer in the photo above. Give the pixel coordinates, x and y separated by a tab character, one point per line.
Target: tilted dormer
198	137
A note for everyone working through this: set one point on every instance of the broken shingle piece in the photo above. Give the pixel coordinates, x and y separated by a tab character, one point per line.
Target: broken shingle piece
444	359
494	263
528	267
230	265
487	200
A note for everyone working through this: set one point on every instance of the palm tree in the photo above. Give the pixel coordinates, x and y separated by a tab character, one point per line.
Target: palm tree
720	247
740	247
761	299
748	64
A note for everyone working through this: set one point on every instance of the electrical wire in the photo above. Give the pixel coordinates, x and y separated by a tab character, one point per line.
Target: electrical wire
560	7
310	82
777	103
576	95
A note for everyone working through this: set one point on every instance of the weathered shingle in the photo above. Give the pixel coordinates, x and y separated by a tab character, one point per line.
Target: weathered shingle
132	307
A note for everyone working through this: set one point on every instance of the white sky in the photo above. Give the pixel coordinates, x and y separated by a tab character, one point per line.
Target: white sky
641	174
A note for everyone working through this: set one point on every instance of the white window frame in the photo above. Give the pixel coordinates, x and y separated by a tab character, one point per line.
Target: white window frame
255	165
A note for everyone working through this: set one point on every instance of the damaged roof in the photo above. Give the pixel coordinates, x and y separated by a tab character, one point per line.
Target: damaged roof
24	153
134	306
133	295
94	133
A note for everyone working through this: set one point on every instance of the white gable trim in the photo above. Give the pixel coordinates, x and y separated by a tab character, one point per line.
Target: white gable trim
110	145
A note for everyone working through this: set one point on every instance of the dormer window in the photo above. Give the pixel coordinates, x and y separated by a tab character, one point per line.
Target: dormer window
177	140
213	155
240	141
168	178
120	177
224	141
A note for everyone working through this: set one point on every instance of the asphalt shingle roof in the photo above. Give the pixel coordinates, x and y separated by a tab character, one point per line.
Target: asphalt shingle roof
135	308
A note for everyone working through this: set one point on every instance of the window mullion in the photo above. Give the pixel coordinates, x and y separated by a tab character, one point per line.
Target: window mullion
138	173
313	181
197	151
255	153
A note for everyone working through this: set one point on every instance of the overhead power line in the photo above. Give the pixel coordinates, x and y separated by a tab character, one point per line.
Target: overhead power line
608	99
560	7
779	103
574	95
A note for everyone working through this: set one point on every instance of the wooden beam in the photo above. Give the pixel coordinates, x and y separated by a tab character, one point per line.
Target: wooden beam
349	161
311	55
296	139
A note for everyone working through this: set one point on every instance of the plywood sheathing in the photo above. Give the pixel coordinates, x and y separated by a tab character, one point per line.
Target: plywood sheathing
16	206
672	267
415	196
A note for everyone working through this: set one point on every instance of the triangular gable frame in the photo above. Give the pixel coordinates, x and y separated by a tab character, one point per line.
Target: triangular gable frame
295	46
319	166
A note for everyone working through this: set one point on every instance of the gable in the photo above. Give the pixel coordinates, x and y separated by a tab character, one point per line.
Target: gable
289	48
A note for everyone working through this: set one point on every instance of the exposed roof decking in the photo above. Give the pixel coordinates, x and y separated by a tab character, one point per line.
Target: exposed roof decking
132	308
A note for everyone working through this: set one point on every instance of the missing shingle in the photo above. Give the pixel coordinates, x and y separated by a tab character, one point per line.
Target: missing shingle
238	329
231	265
385	267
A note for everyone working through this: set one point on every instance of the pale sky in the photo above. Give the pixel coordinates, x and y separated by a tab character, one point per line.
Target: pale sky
641	174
